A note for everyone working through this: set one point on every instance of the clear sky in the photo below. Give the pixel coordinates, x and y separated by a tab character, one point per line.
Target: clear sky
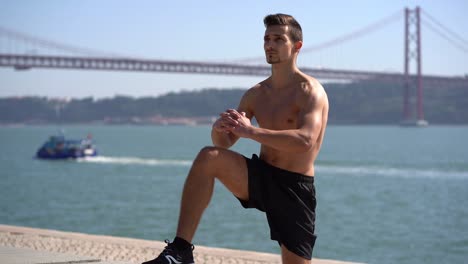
215	30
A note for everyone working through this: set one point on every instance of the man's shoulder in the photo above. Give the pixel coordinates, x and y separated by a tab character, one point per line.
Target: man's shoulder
256	90
311	86
249	98
312	90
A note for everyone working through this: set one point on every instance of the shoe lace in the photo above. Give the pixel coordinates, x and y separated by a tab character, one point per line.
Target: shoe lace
167	250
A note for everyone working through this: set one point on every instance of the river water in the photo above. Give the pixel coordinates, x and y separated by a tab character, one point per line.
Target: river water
385	194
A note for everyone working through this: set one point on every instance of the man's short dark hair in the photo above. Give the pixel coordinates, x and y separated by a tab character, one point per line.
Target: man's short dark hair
295	30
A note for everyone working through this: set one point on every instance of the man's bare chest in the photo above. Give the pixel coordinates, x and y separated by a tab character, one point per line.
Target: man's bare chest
277	115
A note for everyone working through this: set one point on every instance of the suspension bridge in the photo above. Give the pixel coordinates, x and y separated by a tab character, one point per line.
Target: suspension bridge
71	57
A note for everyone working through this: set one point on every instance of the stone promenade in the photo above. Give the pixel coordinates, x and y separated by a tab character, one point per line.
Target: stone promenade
21	245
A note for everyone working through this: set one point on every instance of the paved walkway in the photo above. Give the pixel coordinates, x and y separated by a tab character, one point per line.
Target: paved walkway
22	245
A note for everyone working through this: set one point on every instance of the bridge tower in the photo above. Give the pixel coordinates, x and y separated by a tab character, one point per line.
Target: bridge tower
413	54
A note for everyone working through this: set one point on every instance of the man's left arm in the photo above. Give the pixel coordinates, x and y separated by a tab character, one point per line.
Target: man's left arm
301	139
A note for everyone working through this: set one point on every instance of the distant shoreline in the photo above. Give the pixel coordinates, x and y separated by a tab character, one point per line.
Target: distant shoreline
361	103
195	124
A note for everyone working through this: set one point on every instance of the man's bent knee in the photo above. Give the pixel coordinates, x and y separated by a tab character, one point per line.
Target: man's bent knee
207	154
209	159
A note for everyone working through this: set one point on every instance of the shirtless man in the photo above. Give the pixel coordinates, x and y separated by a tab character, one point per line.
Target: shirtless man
291	109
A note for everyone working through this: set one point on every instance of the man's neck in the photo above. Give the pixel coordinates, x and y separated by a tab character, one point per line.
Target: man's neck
282	74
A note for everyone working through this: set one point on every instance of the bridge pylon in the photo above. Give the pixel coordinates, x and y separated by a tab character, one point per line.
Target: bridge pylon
413	54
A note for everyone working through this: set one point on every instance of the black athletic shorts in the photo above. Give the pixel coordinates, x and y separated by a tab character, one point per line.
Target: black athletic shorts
288	199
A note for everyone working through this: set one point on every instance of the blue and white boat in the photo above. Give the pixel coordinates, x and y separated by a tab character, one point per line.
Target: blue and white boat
57	147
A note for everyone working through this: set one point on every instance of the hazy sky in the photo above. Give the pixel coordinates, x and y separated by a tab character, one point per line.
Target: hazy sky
215	30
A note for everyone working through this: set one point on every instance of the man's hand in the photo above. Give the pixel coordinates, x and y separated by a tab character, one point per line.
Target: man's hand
239	123
230	126
225	122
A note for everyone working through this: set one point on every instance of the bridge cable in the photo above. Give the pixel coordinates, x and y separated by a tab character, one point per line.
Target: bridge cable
54	45
445	28
341	39
444	35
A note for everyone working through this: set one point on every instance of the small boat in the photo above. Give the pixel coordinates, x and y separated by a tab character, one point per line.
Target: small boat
57	147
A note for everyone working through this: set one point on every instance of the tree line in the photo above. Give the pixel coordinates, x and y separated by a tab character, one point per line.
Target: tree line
352	103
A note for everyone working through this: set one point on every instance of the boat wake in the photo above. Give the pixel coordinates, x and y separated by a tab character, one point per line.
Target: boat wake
136	161
335	169
391	172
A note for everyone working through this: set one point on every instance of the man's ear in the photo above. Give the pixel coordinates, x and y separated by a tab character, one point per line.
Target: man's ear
298	45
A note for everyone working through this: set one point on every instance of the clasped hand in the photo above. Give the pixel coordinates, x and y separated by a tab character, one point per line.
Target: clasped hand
231	121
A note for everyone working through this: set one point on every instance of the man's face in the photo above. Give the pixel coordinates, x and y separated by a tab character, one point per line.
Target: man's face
277	44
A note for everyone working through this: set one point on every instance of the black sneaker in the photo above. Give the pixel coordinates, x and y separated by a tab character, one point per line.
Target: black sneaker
172	255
